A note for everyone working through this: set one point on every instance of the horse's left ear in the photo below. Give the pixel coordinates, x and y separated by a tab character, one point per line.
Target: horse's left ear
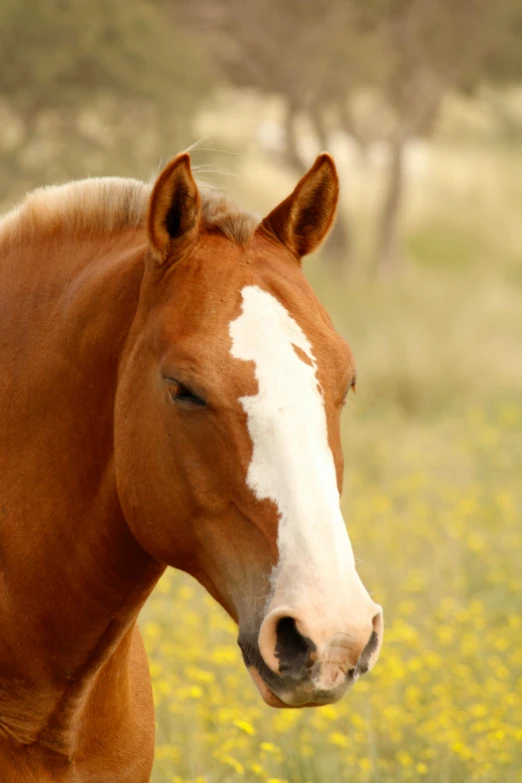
303	220
174	206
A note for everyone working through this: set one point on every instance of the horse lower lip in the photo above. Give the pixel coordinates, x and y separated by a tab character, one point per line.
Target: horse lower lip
294	699
298	694
269	697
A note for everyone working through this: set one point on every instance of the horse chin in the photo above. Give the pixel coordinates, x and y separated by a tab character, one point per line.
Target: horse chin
268	696
284	692
298	699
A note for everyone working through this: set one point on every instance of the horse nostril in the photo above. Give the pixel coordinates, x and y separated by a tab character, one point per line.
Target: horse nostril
367	657
294	651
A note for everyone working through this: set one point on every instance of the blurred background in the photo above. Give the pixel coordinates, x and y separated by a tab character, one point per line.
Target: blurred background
420	102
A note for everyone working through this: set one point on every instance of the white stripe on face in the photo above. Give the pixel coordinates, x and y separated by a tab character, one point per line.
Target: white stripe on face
292	463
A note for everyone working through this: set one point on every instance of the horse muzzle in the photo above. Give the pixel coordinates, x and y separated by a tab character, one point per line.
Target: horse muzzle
296	665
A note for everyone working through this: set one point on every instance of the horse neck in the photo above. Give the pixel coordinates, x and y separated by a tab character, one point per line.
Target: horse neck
72	577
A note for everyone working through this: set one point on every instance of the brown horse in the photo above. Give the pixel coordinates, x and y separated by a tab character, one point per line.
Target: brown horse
170	394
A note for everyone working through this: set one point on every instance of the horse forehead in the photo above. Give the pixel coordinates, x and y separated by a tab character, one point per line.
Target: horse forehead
268	292
264	316
286	304
272	333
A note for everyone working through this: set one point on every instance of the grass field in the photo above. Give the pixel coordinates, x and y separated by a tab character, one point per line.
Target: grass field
433	446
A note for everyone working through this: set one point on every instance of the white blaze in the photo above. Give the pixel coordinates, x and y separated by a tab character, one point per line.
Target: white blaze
292	463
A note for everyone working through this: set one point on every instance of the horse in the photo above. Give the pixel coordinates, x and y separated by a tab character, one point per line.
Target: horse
171	392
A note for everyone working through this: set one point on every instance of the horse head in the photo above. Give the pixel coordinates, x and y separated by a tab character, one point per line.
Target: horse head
227	431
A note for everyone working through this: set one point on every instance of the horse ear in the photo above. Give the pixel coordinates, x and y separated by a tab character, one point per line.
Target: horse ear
174	206
303	220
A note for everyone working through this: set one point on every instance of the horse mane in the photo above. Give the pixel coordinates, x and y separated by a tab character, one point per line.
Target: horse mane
103	205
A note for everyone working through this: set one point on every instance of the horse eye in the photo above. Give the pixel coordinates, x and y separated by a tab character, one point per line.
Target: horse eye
353	386
183	394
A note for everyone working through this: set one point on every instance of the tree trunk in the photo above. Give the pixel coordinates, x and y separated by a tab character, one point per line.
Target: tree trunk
292	154
339	244
387	259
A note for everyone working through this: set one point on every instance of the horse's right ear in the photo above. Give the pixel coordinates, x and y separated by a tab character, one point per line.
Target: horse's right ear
174	207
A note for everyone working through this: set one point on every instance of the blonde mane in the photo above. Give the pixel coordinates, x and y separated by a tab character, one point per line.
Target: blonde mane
104	205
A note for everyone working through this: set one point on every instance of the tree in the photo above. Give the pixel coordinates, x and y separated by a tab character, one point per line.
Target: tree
88	86
320	56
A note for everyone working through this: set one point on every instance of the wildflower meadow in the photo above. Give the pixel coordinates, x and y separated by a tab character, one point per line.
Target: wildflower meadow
444	702
433	460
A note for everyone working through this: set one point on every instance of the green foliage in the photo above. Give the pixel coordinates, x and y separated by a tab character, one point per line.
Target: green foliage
88	86
61	53
502	64
317	53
